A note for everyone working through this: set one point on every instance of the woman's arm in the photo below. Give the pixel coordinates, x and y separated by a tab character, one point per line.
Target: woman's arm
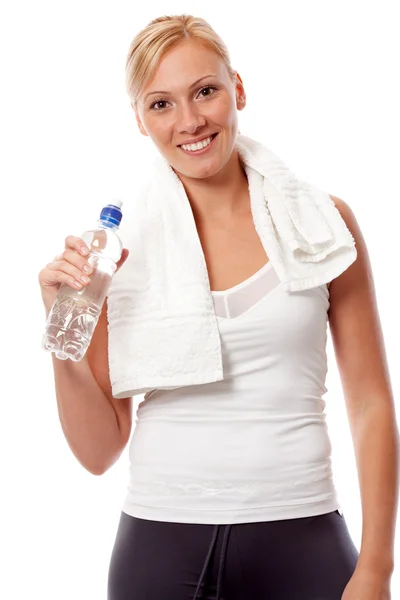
96	425
360	353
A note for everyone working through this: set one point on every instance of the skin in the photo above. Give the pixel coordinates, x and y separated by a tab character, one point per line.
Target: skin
187	113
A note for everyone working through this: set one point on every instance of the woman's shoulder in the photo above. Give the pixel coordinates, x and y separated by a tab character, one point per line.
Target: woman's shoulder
348	217
343	208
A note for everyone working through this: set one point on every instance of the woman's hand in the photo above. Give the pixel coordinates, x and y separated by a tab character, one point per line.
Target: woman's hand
367	585
68	268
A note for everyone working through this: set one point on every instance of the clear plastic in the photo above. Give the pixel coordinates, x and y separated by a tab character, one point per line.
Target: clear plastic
74	314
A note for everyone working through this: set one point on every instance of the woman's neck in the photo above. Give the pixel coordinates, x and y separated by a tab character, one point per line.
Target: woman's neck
220	198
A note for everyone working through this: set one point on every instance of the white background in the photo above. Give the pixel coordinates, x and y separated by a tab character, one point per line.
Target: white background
322	93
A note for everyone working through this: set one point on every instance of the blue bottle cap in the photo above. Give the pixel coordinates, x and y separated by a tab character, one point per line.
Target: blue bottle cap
112	213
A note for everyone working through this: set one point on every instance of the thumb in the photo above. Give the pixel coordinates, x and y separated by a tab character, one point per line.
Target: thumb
124	256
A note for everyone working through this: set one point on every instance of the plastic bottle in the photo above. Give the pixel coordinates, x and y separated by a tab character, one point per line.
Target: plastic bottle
74	314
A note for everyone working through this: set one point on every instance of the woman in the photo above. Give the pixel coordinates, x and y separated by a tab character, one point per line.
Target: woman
219	542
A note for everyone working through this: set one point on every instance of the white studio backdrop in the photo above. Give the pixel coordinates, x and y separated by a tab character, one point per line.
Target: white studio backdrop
322	92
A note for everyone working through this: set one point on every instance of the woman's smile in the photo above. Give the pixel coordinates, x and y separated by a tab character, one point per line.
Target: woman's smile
198	148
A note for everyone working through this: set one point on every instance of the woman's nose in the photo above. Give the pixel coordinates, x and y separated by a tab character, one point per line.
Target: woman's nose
189	119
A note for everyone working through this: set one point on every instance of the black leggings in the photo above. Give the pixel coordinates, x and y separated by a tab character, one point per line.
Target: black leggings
308	558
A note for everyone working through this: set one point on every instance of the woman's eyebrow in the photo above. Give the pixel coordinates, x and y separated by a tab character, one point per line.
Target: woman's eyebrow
191	86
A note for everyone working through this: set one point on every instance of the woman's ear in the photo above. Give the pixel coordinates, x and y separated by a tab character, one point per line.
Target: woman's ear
240	93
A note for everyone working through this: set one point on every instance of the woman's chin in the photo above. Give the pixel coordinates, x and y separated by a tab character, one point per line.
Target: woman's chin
201	170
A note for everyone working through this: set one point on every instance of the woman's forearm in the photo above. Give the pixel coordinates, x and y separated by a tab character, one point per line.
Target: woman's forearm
88	419
376	444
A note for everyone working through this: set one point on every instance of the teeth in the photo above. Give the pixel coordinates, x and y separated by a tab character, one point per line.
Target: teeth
198	146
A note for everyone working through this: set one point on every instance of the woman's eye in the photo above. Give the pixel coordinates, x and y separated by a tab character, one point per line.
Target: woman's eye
209	87
158	102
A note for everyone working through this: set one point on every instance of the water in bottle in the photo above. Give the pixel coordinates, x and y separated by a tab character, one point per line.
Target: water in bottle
74	314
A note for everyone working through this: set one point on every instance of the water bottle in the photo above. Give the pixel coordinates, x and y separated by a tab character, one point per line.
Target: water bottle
74	314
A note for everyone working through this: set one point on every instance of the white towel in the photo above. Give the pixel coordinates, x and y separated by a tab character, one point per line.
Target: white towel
163	331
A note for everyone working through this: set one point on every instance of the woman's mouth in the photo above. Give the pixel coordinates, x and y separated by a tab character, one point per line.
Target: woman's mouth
200	147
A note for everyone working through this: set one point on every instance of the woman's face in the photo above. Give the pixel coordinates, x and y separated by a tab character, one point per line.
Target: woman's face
192	97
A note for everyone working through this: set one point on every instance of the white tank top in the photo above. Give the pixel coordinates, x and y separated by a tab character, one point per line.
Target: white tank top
255	446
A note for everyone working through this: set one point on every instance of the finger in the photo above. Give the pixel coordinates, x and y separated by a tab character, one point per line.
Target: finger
77	244
65	272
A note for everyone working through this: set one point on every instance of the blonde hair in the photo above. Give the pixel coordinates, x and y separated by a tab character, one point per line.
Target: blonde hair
150	45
